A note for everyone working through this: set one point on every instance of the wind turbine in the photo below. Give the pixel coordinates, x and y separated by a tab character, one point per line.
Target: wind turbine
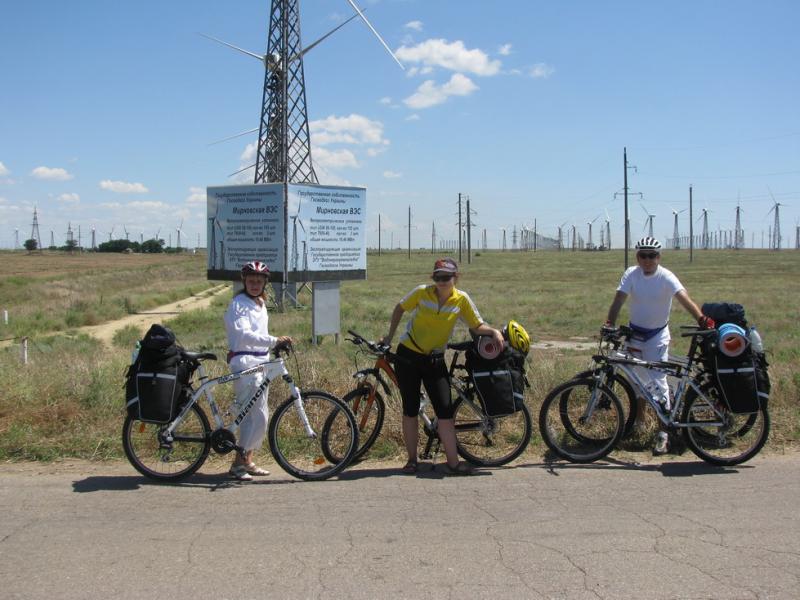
704	216
178	230
775	238
649	222
110	233
676	244
589	245
295	254
607	242
127	235
278	65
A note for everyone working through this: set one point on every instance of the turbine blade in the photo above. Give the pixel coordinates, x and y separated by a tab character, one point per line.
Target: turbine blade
240	170
377	35
305	50
234	136
253	54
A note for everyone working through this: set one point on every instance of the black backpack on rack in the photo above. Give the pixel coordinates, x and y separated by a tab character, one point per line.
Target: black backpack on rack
157	381
743	381
499	382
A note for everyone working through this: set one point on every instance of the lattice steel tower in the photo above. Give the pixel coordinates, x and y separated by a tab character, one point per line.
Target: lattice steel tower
284	146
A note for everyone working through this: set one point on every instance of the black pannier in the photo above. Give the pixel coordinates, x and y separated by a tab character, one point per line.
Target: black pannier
499	382
737	382
157	380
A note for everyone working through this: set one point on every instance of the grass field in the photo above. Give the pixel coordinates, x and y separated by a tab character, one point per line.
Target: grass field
68	400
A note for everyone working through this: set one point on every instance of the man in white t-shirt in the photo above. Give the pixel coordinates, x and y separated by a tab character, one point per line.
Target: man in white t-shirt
651	289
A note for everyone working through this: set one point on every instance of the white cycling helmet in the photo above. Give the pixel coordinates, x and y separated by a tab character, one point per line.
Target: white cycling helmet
648	243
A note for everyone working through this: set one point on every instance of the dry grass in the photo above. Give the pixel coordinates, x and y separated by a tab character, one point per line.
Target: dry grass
68	401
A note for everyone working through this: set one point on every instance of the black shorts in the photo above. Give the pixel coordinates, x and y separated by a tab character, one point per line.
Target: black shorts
413	369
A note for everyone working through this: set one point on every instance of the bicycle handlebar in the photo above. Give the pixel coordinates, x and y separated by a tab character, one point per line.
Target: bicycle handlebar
374	347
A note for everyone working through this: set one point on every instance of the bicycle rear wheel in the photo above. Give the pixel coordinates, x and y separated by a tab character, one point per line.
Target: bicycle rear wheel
490	441
325	452
573	434
369	416
161	460
719	436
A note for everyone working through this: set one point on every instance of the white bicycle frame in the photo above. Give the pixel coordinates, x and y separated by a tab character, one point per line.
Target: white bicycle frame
272	369
624	362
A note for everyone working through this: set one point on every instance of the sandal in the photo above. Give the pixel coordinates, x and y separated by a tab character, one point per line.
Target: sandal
252	469
239	473
410	468
461	468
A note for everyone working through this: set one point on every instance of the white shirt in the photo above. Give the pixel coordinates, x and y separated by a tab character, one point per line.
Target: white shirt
247	325
650	295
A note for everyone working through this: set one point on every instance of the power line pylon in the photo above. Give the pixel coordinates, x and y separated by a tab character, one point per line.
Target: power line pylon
775	236
738	242
35	230
284	146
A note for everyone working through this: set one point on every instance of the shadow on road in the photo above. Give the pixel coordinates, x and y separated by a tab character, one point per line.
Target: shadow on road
667	469
211	482
425	471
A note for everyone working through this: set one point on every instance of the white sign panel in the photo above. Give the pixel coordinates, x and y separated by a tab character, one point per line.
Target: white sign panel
311	232
327	232
245	222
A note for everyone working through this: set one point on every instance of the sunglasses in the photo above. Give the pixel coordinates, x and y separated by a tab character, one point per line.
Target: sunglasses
443	277
650	255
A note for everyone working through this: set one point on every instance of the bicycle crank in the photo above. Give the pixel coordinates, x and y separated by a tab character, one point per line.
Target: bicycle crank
223	441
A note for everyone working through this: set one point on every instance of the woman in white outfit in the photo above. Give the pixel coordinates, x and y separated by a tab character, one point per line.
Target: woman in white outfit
247	327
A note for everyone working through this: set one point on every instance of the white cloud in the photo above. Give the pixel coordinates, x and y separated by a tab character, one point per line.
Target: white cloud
54	174
453	56
123	187
249	153
197	195
376	150
334	159
415	25
385	100
4	170
352	129
504	50
429	94
69	198
392	175
541	71
143	205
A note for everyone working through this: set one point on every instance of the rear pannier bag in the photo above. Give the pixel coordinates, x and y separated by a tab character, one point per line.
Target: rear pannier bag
737	381
157	380
499	382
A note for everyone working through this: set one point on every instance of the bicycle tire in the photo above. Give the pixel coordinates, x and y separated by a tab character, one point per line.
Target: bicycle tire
319	457
597	437
738	440
369	419
168	462
491	441
629	401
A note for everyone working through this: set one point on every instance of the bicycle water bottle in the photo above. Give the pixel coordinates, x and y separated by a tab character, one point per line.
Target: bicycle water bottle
755	341
657	393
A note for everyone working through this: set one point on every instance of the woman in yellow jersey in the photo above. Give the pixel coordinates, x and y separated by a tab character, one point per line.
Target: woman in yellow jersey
436	309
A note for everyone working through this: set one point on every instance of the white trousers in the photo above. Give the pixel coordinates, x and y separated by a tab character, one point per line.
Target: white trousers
253	428
656	348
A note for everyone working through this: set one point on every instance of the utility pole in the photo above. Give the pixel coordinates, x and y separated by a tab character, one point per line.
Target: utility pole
379	234
459	227
691	227
534	235
469	234
433	237
627	223
409	232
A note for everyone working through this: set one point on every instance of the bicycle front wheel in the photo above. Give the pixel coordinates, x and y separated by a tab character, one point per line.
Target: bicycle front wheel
719	436
162	460
490	441
322	452
369	414
627	397
574	433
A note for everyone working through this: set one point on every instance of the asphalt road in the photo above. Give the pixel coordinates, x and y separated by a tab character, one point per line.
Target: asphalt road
612	530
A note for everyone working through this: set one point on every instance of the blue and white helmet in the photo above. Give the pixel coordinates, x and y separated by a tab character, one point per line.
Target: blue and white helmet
648	243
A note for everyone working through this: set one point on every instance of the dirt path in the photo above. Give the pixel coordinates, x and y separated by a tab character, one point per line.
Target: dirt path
105	331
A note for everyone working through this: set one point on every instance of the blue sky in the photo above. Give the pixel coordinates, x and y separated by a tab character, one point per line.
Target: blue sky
107	110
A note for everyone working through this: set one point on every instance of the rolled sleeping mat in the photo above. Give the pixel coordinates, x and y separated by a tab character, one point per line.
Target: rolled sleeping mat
488	348
732	339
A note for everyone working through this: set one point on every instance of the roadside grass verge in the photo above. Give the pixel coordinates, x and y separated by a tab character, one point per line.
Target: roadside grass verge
68	402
